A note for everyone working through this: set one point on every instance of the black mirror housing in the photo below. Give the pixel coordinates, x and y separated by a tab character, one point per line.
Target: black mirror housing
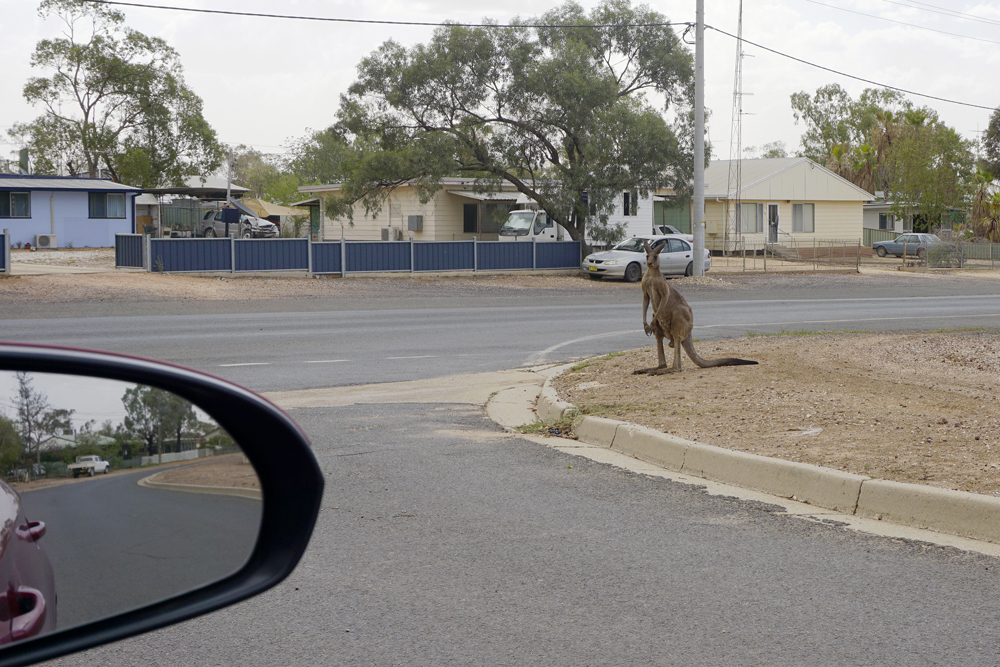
290	479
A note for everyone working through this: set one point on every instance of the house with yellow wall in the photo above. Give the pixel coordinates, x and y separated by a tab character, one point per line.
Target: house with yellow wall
779	201
456	212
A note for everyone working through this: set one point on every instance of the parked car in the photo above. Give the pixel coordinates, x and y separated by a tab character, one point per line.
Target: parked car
915	245
249	226
670	230
89	465
627	259
25	573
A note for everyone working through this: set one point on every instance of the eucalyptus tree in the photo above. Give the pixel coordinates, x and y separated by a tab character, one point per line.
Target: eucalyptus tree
113	99
560	106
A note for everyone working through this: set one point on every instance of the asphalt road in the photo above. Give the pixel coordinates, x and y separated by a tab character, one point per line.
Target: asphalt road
442	541
115	545
297	350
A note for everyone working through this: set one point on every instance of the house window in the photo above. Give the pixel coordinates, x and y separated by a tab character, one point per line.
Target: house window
107	205
15	204
803	217
886	221
630	203
470	218
750	218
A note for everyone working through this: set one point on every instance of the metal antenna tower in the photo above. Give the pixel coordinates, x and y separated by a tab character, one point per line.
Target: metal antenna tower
733	232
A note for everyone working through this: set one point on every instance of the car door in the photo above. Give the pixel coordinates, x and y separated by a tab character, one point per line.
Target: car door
675	257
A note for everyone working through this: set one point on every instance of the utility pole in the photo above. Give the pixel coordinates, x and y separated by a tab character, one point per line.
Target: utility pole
698	214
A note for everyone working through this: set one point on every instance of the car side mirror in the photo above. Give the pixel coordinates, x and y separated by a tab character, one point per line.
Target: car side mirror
218	506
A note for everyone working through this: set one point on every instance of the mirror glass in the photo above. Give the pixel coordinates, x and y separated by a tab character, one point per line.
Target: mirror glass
114	496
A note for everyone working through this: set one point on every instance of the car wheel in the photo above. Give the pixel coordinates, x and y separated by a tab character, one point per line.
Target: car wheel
209	233
91	472
247	234
633	272
107	470
594	276
689	271
880	251
921	253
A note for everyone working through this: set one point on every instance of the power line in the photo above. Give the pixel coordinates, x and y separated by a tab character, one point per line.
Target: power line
511	25
909	25
913	4
376	22
850	76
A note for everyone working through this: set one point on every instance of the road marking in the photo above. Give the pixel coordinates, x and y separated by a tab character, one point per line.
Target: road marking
541	356
326	361
258	363
423	356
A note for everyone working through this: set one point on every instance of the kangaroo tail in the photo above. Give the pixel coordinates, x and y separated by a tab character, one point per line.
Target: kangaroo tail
688	344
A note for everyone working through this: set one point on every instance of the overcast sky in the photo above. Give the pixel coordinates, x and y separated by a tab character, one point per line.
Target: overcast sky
265	81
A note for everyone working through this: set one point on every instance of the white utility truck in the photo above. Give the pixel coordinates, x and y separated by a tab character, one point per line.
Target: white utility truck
89	465
532	225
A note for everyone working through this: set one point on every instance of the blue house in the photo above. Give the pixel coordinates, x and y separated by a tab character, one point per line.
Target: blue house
54	211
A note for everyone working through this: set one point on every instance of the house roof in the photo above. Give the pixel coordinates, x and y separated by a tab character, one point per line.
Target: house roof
266	208
35	182
509	195
448	181
61	440
792	178
208	187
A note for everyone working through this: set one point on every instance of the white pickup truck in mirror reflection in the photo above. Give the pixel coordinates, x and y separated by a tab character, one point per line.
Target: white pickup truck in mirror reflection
178	508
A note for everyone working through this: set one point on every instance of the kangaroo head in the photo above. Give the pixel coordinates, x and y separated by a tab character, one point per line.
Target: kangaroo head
653	254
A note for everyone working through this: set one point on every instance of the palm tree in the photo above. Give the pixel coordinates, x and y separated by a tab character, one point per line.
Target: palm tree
986	207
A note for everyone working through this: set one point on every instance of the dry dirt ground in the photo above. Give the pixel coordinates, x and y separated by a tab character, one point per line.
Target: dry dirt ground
231	471
909	407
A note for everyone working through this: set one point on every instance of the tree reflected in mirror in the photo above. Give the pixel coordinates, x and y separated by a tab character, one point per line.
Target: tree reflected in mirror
115	496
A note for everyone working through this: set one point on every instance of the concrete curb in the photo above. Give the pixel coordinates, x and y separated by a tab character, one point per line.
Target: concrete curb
197	488
951	512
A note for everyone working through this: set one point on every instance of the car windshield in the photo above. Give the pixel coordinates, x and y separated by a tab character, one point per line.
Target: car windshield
631	245
519	221
634	245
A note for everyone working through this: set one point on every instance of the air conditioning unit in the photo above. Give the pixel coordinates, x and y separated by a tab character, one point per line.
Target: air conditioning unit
392	234
45	241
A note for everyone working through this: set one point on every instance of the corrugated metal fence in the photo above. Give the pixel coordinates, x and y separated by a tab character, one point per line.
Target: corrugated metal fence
5	251
339	257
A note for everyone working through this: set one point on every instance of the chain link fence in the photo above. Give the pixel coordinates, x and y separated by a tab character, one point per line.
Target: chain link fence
792	255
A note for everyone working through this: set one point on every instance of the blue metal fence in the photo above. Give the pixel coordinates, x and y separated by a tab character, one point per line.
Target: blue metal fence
444	256
503	255
272	254
340	257
129	251
326	257
5	251
378	256
557	255
181	255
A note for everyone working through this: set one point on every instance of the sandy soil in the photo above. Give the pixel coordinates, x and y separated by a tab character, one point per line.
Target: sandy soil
910	407
231	471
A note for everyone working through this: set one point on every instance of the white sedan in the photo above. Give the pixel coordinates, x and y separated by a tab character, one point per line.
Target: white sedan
628	259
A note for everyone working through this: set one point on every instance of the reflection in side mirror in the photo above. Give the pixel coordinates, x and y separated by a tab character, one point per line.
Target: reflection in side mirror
116	495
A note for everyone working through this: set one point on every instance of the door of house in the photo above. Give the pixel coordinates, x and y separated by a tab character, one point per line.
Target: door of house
772	223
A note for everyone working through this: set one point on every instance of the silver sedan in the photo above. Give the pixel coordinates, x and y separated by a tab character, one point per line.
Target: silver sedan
627	259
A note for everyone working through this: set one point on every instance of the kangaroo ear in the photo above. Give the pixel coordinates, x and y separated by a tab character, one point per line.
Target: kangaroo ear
659	246
645	245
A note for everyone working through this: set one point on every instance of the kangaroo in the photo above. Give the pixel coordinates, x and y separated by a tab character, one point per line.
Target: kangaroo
672	319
